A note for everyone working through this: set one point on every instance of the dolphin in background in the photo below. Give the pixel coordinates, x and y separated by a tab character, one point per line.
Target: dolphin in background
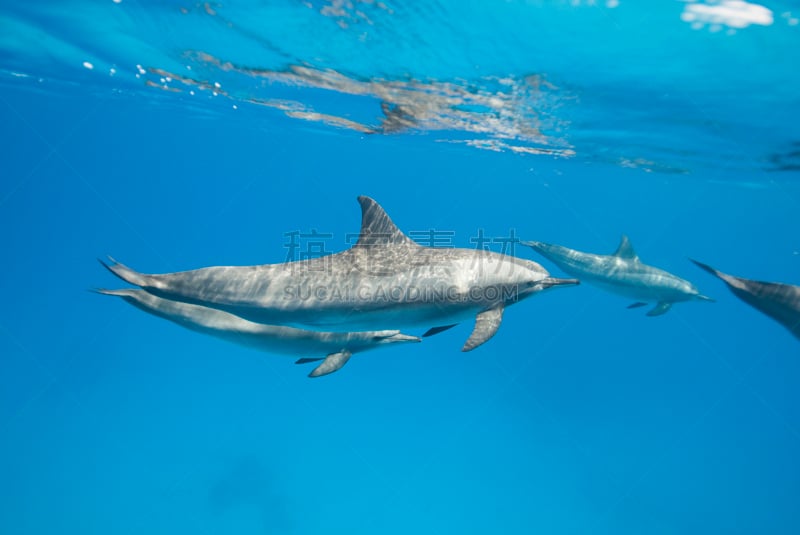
385	281
624	274
780	302
338	346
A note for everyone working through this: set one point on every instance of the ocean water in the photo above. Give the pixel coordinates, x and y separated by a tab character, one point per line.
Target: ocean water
176	134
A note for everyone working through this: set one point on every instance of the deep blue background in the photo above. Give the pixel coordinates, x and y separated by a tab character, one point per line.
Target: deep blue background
580	416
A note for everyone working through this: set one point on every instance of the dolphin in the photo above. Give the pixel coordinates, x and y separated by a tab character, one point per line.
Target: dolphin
780	302
385	281
622	273
338	346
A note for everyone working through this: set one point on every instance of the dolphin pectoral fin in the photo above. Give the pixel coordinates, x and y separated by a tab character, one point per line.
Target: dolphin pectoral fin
332	363
637	305
661	308
306	360
437	330
486	325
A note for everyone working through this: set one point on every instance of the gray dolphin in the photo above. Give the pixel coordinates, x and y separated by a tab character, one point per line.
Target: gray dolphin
385	280
338	346
622	273
780	302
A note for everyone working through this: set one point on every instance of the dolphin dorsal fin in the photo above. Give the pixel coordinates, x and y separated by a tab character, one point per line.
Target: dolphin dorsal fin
625	249
377	229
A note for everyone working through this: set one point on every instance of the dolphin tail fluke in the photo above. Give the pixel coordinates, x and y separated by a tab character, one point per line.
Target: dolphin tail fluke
124	292
717	273
125	273
720	275
734	283
137	297
706	267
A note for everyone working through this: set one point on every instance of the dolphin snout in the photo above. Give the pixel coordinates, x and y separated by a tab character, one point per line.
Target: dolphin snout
549	282
537	245
400	337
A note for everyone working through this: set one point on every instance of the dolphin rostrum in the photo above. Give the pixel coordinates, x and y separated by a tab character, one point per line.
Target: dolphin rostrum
385	281
780	302
338	346
622	273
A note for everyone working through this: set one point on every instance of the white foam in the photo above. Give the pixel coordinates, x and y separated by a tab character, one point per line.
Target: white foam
730	13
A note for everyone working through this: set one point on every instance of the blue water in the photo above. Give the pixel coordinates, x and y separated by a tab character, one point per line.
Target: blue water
567	122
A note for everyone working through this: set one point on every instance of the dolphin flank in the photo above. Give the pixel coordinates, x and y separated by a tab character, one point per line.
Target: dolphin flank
780	302
622	273
385	281
338	346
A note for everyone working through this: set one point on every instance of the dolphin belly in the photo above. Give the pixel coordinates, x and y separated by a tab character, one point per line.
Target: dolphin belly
638	290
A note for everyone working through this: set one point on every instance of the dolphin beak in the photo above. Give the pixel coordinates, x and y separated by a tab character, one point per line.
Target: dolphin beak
549	282
400	337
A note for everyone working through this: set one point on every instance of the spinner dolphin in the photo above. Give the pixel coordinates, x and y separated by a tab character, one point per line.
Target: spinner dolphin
385	281
622	273
337	346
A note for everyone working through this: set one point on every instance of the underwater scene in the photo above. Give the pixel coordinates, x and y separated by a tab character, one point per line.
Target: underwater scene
391	267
